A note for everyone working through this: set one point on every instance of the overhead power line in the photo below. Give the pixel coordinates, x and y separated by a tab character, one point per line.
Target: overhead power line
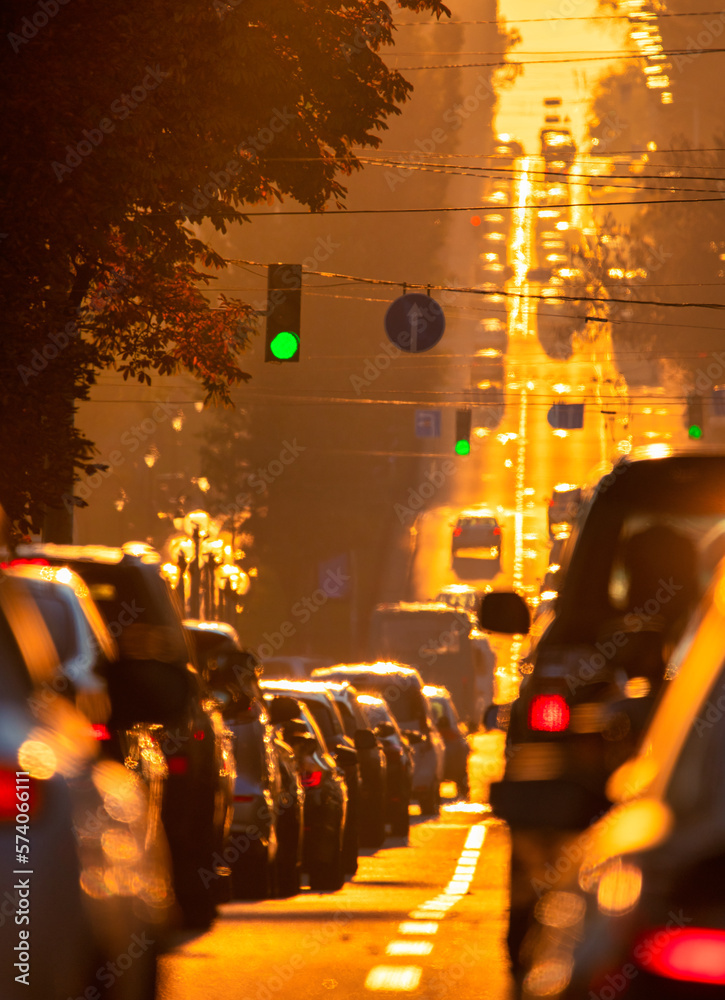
468	290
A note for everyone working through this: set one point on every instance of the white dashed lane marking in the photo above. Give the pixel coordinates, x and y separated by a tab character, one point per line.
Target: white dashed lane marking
424	921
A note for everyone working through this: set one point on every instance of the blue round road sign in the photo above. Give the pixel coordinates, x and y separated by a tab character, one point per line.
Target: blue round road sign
415	322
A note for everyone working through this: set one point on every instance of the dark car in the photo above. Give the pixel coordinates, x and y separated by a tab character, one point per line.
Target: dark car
154	682
399	758
635	906
476	533
455	736
563	507
321	704
209	641
402	688
372	763
79	827
628	584
325	806
87	656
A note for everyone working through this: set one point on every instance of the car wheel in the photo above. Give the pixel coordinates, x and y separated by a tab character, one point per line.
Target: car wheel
430	801
400	825
327	876
349	848
372	833
253	877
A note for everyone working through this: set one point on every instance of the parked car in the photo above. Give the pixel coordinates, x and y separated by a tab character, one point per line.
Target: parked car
320	702
94	853
476	534
299	667
267	823
455	737
155	683
399	758
210	640
628	584
87	658
402	688
460	595
372	763
325	800
638	909
563	506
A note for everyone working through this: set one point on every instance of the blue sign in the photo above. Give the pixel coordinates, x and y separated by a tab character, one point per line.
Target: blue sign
566	415
427	423
414	322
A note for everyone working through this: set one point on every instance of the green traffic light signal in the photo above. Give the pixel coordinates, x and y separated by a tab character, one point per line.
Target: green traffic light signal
284	298
694	431
463	432
284	345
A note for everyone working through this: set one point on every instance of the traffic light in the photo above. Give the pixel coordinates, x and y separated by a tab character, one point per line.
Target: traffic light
463	432
284	303
695	418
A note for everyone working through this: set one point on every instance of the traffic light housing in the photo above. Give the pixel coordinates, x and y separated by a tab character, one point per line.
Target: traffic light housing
695	417
463	432
284	305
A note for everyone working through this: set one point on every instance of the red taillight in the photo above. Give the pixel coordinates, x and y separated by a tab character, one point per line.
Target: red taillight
25	562
178	765
548	713
693	954
18	797
497	531
7	795
311	779
100	732
244	798
199	734
457	532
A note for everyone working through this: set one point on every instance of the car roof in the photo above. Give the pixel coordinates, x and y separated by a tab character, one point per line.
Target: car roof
381	668
90	553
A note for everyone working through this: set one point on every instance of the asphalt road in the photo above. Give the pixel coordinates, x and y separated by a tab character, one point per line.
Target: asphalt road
426	919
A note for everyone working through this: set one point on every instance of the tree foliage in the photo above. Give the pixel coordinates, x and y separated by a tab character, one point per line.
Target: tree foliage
130	125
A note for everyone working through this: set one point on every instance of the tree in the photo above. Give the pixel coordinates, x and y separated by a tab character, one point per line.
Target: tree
129	129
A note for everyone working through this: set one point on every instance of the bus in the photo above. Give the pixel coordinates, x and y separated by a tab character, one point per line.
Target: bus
444	645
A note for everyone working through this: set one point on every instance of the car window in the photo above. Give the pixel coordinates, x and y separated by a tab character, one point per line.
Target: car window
58	619
324	717
348	719
696	790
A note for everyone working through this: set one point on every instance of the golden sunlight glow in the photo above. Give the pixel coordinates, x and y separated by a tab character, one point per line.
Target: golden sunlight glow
620	887
38	759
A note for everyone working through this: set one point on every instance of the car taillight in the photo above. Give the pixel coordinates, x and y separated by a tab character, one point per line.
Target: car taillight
548	713
178	765
18	797
311	779
497	531
457	532
199	734
692	954
244	798
100	732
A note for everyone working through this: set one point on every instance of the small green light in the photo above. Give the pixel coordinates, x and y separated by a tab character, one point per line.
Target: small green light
463	447
285	345
695	432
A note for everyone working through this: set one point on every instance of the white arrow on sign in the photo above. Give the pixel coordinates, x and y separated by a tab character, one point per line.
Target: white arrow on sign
416	318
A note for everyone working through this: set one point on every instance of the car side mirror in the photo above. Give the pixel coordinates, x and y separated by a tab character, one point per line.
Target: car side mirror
504	611
346	756
384	729
365	739
412	736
